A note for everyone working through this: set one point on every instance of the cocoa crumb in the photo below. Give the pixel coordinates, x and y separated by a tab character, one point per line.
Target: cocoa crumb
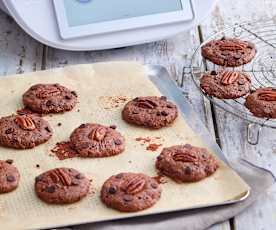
63	150
38	166
153	147
111	102
143	139
59	124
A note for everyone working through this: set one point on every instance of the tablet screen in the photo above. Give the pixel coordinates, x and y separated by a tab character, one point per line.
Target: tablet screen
84	12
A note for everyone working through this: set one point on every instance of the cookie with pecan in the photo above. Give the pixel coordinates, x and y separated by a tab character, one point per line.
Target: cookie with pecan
49	98
151	112
61	186
94	140
130	192
262	102
225	84
186	163
230	52
24	131
9	177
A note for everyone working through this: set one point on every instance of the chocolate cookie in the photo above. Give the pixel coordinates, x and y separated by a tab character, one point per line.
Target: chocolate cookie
186	163
225	84
150	112
9	177
49	98
130	192
24	131
262	102
230	52
61	186
94	140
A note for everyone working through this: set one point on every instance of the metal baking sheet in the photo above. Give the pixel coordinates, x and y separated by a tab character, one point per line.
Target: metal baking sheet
103	90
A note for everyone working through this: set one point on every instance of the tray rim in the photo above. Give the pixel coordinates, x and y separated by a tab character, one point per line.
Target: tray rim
161	78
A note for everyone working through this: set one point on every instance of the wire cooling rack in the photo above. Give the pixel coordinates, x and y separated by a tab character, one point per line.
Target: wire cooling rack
262	68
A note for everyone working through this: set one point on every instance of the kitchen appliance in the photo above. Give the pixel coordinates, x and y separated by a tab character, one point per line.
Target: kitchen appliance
96	25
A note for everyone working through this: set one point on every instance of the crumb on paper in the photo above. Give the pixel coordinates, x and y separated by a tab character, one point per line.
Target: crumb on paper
153	147
153	143
112	102
63	150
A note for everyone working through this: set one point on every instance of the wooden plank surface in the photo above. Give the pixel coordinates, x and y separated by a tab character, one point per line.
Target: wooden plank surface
231	130
19	53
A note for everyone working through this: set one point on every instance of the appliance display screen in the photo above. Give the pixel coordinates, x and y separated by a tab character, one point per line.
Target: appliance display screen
84	12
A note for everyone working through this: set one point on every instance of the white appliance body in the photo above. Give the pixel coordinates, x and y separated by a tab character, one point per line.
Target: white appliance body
38	19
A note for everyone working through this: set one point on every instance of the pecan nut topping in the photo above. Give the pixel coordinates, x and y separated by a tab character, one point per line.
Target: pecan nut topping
232	46
229	77
185	157
134	185
25	122
267	95
60	175
50	92
98	134
146	104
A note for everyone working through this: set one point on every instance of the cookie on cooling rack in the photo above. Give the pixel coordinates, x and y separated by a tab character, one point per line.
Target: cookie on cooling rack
130	192
9	177
229	52
151	112
61	186
24	131
49	98
186	163
94	140
225	84
262	102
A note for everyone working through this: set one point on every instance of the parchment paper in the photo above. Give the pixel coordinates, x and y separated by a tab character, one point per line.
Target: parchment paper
102	89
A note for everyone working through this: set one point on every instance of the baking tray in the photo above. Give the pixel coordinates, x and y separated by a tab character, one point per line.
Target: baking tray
21	209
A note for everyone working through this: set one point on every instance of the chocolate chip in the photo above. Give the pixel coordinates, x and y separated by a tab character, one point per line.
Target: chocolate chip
128	198
164	113
48	129
118	142
10	178
136	99
158	113
75	183
50	189
67	97
74	93
113	126
154	185
169	106
9	131
164	98
188	170
213	72
59	124
82	126
49	103
79	176
9	161
38	166
223	38
112	190
38	178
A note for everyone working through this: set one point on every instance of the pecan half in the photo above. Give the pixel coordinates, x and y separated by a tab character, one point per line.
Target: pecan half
232	46
60	175
267	95
25	122
184	157
49	92
229	77
134	185
98	133
146	104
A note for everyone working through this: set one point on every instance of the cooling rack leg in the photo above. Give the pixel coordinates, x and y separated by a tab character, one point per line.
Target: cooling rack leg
253	133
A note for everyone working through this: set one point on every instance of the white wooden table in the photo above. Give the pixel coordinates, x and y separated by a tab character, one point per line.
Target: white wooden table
19	53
